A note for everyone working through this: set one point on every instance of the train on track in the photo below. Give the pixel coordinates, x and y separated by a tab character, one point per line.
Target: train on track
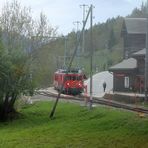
69	82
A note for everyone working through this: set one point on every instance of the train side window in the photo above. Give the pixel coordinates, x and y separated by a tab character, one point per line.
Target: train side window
65	78
56	77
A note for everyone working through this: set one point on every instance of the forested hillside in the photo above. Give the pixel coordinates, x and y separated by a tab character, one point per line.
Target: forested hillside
48	54
107	43
107	51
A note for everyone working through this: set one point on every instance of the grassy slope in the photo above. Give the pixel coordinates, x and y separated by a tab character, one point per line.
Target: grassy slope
74	127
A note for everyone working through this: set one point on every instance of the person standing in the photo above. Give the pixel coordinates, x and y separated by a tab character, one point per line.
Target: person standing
104	86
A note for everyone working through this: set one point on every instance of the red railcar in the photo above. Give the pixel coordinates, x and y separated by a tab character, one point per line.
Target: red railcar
72	81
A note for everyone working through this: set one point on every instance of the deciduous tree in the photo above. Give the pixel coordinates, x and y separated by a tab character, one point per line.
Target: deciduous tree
18	35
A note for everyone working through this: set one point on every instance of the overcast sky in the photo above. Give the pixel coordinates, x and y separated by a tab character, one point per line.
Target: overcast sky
62	13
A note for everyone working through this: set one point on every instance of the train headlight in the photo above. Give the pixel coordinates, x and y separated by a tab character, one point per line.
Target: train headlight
68	84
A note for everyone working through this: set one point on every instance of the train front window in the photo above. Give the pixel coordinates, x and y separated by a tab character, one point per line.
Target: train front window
79	78
67	77
73	78
76	78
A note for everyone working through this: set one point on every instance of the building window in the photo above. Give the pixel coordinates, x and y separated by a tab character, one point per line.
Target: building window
126	82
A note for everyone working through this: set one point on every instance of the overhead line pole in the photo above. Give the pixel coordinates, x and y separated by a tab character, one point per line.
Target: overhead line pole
77	25
146	59
78	50
83	41
69	66
91	57
65	52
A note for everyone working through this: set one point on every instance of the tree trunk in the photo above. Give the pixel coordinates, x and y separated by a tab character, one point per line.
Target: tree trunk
12	101
4	108
7	107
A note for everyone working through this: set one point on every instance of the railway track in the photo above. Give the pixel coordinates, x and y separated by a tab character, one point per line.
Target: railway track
97	101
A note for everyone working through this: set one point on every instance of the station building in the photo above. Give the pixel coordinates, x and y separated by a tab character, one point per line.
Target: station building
128	75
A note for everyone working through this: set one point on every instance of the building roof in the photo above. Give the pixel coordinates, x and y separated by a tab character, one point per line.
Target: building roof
139	53
135	25
127	64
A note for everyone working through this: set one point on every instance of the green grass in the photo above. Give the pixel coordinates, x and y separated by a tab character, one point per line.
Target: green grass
74	126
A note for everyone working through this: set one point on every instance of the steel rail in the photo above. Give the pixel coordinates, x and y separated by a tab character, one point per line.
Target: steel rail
97	101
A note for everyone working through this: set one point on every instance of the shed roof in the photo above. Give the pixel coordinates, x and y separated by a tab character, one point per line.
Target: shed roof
135	25
140	53
127	64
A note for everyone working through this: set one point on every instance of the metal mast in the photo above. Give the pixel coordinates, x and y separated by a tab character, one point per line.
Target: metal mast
65	51
91	55
146	59
83	40
77	23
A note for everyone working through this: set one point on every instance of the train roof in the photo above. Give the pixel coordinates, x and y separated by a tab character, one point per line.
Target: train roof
72	71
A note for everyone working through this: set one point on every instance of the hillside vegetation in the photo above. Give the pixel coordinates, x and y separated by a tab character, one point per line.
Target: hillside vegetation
107	44
107	51
46	53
